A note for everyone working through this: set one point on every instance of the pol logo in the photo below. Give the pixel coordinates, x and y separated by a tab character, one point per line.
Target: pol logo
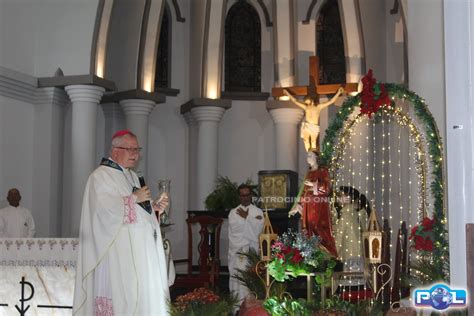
440	297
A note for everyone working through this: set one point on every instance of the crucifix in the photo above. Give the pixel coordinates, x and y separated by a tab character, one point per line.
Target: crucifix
311	105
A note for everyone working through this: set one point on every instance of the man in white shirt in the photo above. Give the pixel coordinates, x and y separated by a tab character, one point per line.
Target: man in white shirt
16	221
121	267
245	226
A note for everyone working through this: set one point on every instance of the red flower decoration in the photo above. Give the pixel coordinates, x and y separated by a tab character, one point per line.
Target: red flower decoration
422	235
297	257
373	95
200	295
427	224
286	250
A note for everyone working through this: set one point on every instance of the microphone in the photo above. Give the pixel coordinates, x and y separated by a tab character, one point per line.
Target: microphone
145	204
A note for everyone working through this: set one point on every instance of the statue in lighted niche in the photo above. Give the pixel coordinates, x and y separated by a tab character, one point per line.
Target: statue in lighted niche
375	248
313	203
352	209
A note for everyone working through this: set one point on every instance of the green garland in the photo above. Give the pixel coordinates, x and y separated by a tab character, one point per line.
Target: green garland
435	152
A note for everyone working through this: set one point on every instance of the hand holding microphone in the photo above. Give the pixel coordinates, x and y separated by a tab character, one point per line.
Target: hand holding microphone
143	195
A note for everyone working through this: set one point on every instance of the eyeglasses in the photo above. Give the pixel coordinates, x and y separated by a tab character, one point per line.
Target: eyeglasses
244	195
136	150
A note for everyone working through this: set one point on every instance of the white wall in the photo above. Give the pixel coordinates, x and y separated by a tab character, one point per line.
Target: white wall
17	49
16	139
426	56
123	43
373	17
37	38
459	16
246	141
395	44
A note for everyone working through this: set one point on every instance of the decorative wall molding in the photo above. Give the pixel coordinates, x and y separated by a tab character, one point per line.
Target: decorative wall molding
268	22
309	12
198	102
63	81
394	10
51	95
38	251
17	85
177	10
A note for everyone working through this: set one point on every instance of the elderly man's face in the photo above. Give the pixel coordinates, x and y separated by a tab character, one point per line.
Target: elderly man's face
128	153
14	197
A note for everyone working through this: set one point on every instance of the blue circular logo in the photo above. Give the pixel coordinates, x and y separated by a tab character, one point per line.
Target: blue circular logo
441	298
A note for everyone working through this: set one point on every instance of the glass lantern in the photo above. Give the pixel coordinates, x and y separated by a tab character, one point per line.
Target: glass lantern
164	189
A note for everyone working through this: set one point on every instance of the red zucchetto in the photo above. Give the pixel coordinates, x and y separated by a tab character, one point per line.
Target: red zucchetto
121	133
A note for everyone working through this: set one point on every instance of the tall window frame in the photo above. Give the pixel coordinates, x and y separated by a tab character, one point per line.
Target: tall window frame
243	42
163	53
330	44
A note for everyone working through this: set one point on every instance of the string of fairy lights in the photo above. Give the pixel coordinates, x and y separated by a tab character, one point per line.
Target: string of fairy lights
349	157
424	165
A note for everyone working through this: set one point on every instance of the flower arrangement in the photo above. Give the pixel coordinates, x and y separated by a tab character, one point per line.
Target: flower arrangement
203	302
422	235
373	95
297	253
431	263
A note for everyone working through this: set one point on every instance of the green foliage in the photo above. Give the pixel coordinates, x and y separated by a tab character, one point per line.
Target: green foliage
423	271
250	279
281	270
225	196
198	308
287	306
295	254
362	308
325	277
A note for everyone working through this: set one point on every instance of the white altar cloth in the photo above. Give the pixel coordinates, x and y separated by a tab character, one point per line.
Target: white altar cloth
48	264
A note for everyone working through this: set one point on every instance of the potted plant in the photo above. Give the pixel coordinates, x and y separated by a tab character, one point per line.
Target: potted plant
202	302
225	196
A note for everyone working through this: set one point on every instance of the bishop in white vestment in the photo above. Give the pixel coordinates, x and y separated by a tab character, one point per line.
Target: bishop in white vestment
245	226
121	267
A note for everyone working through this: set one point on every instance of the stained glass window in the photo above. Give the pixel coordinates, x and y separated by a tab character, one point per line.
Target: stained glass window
162	70
330	44
242	49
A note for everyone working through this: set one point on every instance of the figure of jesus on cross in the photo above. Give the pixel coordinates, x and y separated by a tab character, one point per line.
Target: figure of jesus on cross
310	125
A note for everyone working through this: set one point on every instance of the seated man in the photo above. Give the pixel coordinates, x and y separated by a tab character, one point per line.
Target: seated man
16	221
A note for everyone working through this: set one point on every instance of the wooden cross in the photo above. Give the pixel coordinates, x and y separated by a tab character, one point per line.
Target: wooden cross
314	89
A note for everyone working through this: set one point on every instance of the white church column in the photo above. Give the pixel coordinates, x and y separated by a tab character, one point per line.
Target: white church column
283	42
208	118
50	108
85	100
203	117
114	121
213	49
192	161
458	68
353	40
137	112
286	119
